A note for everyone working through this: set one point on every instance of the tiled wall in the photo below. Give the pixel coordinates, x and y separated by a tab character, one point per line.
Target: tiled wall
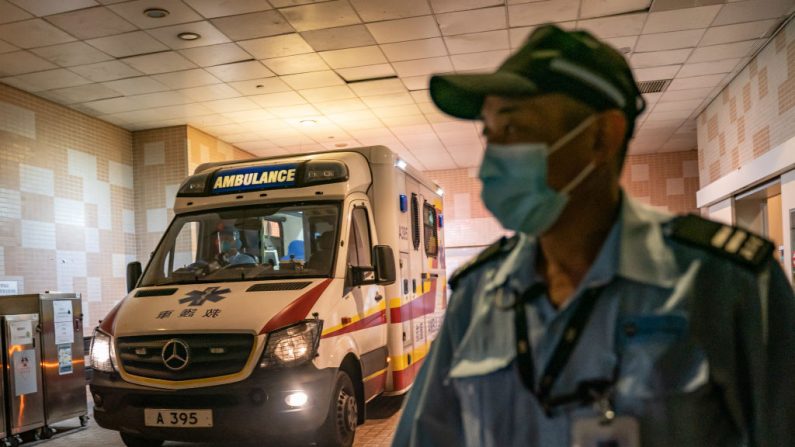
163	158
753	114
668	181
67	219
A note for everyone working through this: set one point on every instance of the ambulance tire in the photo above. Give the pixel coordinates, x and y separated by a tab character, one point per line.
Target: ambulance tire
339	428
137	441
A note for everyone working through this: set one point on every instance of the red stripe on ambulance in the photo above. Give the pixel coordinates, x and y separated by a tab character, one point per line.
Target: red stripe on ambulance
376	319
297	310
423	305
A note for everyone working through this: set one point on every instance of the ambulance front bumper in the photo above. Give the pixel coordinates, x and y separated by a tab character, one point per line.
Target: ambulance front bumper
249	410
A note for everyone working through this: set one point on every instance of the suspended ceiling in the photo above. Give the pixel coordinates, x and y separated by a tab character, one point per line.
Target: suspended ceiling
291	76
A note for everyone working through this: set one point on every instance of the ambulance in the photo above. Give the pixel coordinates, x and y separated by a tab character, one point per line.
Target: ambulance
285	294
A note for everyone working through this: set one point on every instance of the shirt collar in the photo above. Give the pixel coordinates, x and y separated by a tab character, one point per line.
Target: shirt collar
634	249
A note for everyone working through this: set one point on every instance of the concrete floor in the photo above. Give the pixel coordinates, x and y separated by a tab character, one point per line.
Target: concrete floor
383	413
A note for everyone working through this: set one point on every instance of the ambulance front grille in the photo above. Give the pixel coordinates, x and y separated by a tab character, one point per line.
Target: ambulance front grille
209	355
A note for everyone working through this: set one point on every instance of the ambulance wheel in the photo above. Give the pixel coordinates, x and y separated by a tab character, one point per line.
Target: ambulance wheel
340	426
137	441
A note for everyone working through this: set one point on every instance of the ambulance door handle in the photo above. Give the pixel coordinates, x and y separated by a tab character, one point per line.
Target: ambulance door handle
379	297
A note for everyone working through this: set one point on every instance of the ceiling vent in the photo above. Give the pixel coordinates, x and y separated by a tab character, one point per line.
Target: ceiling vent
654	86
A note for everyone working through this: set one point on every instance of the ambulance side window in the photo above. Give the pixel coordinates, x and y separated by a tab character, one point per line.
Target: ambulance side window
363	246
430	229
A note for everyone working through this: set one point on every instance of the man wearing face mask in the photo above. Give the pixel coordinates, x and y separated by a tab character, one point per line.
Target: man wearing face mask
602	322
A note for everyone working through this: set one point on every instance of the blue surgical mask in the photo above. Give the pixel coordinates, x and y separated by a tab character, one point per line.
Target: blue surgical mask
515	187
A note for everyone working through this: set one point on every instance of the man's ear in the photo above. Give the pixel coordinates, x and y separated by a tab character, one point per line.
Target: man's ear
610	135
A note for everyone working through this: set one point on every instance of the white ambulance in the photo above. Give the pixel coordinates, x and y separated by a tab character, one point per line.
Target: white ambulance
285	294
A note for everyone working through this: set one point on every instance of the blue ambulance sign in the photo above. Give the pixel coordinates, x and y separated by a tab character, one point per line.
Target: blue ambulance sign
254	178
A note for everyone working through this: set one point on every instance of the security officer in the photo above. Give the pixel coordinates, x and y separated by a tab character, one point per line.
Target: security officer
603	322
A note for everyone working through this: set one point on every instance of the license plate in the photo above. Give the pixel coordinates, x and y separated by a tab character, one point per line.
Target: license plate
178	418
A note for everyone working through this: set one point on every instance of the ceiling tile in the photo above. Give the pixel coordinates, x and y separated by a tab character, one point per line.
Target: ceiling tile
612	7
366	72
442	6
159	62
749	11
205	120
684	95
422	96
404	120
379	87
230	105
670	125
624	44
477	42
342	106
92	22
485	61
738	32
219	8
354	57
210	92
472	21
338	38
73	53
106	71
423	66
391	100
617	26
136	86
705	68
542	12
186	79
404	29
681	19
128	44
82	93
696	82
250	26
377	10
414	83
327	93
279	99
178	12
225	53
518	36
313	80
240	71
138	102
48	80
33	33
277	46
414	49
669	41
658	58
12	13
294	111
300	63
169	35
723	51
654	73
669	106
260	86
7	47
321	15
46	7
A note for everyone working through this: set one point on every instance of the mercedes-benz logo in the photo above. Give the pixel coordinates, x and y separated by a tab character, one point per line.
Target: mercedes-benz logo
175	354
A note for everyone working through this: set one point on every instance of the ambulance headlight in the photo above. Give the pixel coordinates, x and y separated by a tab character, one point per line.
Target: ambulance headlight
194	185
292	345
325	171
101	357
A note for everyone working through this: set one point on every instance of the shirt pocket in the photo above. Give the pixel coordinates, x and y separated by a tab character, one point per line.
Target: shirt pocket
658	357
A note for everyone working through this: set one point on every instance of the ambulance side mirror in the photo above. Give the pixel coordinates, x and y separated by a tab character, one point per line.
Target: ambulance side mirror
133	274
384	263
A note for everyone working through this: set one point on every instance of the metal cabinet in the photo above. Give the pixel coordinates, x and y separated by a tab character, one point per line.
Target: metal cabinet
62	352
21	354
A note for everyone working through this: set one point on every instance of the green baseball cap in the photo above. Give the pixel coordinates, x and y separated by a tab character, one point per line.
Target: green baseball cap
551	61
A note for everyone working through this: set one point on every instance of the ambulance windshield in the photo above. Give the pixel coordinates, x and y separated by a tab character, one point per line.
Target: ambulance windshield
243	244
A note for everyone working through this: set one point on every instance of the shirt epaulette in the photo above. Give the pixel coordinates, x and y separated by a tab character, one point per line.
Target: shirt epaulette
739	245
503	245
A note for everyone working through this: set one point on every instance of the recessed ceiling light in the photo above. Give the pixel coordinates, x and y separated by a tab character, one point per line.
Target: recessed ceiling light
307	123
189	36
156	13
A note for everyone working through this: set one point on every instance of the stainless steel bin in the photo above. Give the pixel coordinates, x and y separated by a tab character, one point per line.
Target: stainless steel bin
62	357
22	359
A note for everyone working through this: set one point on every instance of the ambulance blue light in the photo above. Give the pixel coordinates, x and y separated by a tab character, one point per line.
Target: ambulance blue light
441	220
404	203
